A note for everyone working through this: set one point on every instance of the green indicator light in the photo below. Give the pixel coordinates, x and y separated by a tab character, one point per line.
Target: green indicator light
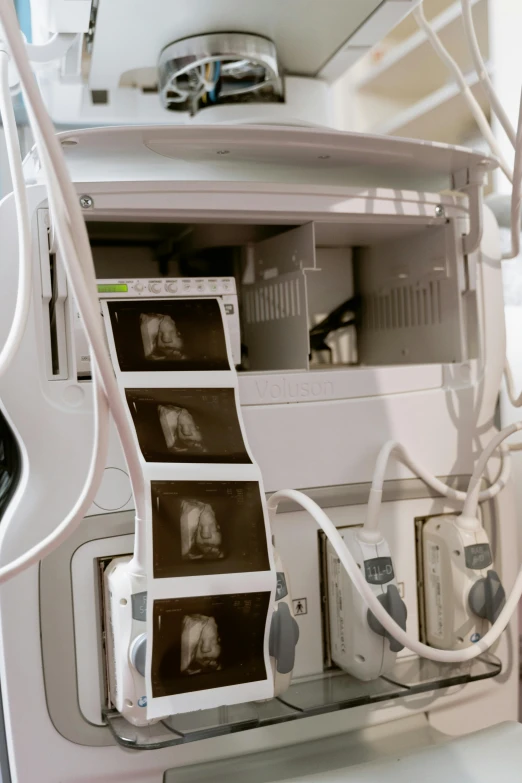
112	288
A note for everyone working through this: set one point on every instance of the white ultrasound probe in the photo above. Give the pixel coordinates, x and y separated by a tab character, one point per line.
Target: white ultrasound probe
462	591
359	643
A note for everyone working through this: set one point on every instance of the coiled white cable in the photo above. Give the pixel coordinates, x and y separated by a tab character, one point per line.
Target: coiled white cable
75	251
516	195
100	407
515	400
482	73
94	475
474	106
473	496
365	591
80	260
23	298
398	450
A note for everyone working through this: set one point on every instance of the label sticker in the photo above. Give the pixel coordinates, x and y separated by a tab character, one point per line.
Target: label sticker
434	590
337	623
478	556
378	570
300	606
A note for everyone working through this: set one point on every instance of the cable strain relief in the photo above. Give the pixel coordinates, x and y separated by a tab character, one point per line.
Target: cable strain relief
369	536
468	523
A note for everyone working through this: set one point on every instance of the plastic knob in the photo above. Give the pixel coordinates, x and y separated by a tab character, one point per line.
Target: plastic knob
138	653
487	597
172	288
138	287
284	635
396	608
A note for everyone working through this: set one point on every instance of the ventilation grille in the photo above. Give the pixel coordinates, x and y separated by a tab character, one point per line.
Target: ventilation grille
272	301
404	307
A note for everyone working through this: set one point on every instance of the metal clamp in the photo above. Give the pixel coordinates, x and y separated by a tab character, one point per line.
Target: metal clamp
470	181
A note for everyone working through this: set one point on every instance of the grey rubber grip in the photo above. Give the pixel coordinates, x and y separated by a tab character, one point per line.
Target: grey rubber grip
487	597
139	654
284	635
396	608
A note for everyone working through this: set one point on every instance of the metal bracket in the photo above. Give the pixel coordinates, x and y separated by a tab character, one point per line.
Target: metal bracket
470	181
55	48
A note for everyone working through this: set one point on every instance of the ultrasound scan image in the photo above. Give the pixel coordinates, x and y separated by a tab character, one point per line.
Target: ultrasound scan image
201	528
201	536
200	644
179	429
169	335
187	425
160	336
209	641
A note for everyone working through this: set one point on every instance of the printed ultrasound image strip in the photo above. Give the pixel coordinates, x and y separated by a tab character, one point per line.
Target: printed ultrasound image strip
207	527
169	335
208	642
187	425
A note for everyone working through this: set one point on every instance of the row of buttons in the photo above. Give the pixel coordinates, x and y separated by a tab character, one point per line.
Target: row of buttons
185	286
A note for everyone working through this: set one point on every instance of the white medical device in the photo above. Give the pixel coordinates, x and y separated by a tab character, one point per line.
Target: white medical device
292	409
463	592
249	64
359	644
126	612
223	287
385	245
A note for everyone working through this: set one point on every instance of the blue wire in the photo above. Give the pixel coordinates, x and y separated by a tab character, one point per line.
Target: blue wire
217	71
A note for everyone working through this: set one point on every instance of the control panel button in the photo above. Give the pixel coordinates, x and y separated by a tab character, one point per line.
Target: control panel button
139	287
213	287
200	287
187	286
171	288
155	288
138	653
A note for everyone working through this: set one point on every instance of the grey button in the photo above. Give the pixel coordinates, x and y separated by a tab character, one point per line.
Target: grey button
487	597
281	588
284	635
396	608
139	606
478	556
378	570
138	653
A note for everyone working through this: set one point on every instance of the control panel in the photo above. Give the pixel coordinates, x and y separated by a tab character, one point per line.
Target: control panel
172	286
161	288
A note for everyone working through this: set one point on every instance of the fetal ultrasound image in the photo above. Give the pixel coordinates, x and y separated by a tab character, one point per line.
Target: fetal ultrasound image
200	644
187	425
208	642
207	527
168	334
201	537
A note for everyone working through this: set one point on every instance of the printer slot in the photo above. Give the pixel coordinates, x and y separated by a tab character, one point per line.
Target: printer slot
323	295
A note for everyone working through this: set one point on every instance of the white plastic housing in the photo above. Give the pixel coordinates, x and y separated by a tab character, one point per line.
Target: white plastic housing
354	646
282	680
125	601
450	623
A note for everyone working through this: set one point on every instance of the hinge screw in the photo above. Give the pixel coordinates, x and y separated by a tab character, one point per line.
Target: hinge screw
86	202
440	211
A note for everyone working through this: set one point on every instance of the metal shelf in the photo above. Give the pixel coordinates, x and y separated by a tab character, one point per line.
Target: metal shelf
331	692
